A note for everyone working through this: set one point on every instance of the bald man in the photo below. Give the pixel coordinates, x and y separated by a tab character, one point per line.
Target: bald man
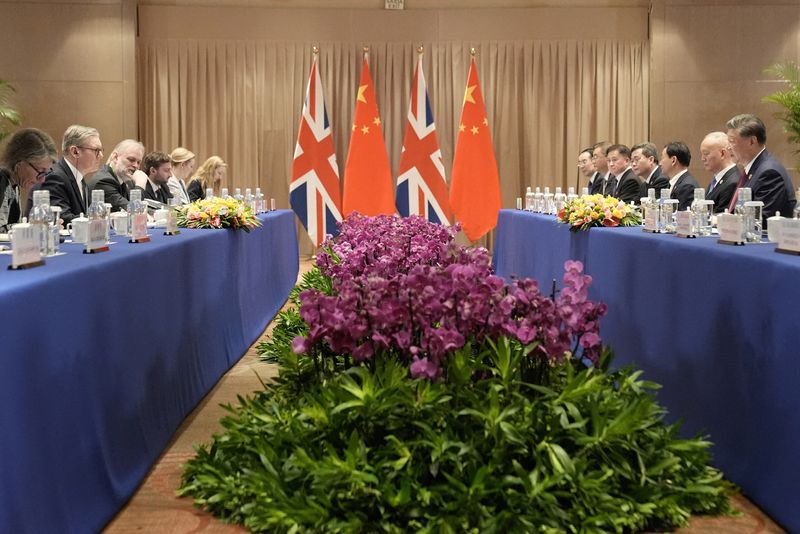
717	157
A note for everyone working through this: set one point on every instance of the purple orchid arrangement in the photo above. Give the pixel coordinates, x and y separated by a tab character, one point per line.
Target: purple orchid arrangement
403	286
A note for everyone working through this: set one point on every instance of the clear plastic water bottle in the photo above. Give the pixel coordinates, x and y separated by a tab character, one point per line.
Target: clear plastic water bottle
755	209
584	191
237	194
538	200
529	199
571	194
97	209
249	199
548	201
39	219
797	206
559	200
209	192
136	208
260	206
665	224
224	193
699	212
745	194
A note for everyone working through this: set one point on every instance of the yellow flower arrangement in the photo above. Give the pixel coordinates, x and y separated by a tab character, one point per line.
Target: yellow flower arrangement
218	212
596	210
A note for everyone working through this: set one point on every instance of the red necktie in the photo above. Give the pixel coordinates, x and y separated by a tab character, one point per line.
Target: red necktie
736	193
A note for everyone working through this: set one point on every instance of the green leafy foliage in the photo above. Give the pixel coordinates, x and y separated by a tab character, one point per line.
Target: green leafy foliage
788	99
8	115
373	450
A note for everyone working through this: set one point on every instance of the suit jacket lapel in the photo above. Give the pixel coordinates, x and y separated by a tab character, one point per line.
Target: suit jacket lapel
74	185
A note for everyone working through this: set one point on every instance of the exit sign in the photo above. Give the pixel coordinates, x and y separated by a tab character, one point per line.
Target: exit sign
393	4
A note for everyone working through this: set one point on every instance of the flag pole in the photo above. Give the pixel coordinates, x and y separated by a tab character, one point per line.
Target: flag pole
315	50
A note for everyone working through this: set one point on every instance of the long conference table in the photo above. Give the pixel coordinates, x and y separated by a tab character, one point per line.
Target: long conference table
103	355
716	325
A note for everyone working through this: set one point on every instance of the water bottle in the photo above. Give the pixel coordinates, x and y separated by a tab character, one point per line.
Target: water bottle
39	219
529	199
237	194
548	201
699	212
97	209
559	200
136	208
538	201
584	191
260	206
744	195
249	199
797	206
754	210
224	193
209	192
571	194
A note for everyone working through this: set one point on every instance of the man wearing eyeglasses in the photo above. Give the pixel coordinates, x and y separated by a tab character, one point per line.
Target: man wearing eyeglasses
82	155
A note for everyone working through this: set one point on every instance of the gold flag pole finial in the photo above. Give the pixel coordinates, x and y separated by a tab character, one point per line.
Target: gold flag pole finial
365	49
472	51
315	50
420	49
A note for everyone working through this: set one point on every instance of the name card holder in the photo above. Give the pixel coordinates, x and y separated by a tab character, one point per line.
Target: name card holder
683	225
731	229
789	242
25	251
138	228
97	237
172	223
650	218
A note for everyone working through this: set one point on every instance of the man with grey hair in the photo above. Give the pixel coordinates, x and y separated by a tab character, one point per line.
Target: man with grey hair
715	153
116	177
81	150
763	174
643	163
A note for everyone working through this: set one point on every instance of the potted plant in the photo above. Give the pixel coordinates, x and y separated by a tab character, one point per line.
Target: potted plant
790	98
8	115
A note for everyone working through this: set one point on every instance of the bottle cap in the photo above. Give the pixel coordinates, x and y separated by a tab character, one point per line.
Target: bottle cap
98	196
136	194
665	194
745	194
699	193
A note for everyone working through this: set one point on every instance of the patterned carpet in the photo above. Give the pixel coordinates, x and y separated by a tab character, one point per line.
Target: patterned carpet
155	509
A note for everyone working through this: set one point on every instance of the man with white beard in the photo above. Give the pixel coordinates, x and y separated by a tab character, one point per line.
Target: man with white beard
115	178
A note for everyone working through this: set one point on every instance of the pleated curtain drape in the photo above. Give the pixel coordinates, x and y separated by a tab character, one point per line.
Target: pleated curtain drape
242	100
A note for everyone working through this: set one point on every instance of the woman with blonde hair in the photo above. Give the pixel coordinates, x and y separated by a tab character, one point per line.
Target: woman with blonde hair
210	174
183	162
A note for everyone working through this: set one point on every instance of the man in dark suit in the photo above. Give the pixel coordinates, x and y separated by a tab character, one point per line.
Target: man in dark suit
82	151
643	163
628	185
675	158
717	158
764	174
116	177
158	168
604	185
586	167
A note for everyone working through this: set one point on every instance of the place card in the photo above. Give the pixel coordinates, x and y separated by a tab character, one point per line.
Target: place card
683	224
25	252
96	240
790	237
138	228
651	219
731	229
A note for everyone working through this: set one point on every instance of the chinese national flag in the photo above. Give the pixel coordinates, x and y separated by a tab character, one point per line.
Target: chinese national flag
368	187
475	183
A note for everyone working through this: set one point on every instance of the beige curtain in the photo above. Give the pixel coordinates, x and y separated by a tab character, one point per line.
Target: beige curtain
242	100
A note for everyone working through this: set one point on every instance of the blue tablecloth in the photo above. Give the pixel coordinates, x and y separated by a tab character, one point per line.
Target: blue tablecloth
716	325
104	355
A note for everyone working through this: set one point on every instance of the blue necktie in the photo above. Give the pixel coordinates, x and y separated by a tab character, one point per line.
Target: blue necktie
713	183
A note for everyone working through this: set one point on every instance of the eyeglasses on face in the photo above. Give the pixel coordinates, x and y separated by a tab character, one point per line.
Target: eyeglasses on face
97	151
39	174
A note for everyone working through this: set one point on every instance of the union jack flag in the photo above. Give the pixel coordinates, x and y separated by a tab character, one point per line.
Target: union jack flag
421	185
314	191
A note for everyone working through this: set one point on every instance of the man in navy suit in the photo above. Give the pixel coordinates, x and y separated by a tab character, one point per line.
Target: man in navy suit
82	152
643	163
675	159
586	167
158	168
628	185
603	182
717	158
763	174
116	177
